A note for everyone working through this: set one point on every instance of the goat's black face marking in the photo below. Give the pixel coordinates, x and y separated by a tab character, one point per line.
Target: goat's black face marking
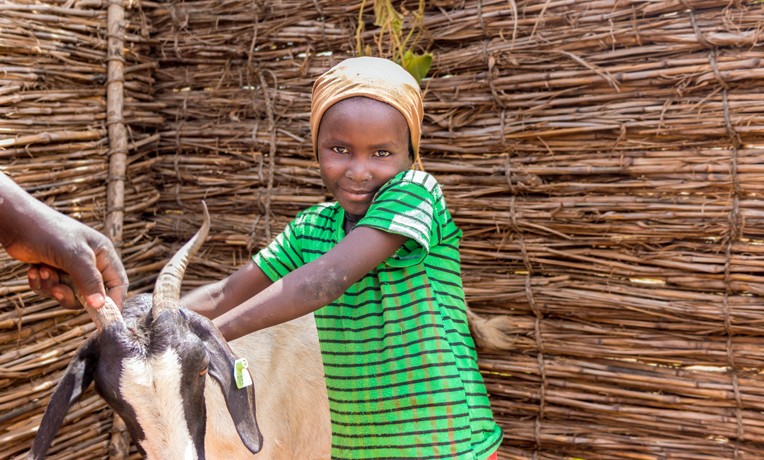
175	334
119	343
115	350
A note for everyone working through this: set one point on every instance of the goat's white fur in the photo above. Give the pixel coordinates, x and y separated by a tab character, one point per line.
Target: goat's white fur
152	388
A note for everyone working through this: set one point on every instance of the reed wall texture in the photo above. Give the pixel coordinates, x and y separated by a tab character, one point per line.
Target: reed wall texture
604	159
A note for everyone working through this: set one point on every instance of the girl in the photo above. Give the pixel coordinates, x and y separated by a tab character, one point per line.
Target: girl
380	268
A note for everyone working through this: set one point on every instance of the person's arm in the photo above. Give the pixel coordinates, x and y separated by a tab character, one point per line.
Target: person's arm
34	233
212	300
313	285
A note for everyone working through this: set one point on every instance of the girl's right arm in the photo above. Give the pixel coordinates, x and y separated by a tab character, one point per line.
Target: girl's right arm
313	285
219	297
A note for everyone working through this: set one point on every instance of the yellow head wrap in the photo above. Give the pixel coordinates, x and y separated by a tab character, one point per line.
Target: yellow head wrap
375	78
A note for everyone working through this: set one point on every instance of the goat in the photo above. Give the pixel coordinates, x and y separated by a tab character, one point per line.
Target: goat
153	362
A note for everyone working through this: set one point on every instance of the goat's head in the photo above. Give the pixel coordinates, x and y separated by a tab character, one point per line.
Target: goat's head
150	364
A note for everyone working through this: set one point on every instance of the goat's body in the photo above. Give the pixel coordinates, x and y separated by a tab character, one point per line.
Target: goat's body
290	393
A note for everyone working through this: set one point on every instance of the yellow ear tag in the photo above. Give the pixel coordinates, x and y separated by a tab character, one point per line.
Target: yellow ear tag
241	374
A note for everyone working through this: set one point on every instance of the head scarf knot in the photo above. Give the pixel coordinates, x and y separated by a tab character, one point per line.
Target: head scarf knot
376	78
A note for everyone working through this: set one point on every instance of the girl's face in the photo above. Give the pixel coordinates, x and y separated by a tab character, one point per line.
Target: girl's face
362	143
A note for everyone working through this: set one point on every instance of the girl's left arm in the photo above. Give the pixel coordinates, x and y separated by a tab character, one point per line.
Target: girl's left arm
313	285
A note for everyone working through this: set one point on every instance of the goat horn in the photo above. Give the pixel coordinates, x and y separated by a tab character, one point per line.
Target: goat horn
108	314
167	287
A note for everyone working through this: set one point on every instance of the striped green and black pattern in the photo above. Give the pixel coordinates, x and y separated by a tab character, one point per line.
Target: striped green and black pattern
401	368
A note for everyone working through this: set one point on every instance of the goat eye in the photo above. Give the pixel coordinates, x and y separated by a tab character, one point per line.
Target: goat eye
203	373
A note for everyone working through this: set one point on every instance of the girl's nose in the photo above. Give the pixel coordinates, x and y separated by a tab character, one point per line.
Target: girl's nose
358	171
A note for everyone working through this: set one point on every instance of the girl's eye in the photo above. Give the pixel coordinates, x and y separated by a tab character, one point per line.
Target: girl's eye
340	149
383	153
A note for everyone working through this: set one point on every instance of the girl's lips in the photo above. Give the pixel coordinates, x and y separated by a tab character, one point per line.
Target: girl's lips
357	195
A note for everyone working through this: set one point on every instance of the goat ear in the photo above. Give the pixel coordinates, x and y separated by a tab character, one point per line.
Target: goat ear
240	402
76	379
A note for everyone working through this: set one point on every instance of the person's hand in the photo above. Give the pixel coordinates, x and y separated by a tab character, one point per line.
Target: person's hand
54	243
76	249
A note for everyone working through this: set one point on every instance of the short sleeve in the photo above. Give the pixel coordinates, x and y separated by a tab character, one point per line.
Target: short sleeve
282	256
407	208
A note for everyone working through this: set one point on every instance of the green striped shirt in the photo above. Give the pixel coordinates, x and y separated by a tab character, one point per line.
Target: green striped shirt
400	364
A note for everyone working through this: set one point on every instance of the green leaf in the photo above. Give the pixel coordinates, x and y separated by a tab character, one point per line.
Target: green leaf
417	64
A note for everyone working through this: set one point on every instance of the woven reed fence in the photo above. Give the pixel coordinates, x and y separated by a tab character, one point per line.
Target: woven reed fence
58	140
604	159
